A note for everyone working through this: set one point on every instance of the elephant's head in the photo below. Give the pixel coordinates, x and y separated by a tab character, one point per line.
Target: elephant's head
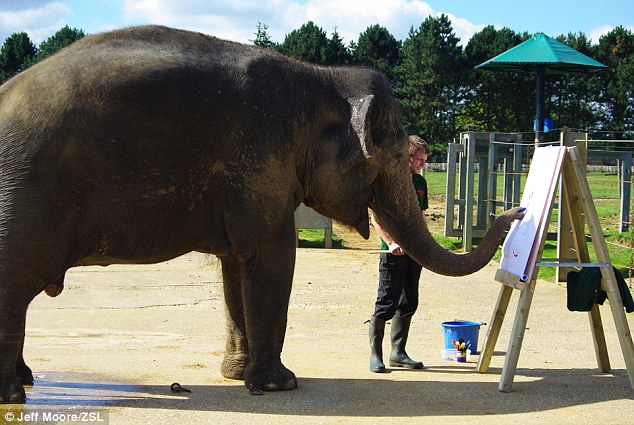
372	170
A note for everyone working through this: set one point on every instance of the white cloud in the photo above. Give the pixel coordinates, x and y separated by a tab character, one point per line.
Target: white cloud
463	29
596	33
353	16
237	20
39	20
155	11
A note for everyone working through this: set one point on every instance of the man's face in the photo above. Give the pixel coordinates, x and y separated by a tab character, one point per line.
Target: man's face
417	162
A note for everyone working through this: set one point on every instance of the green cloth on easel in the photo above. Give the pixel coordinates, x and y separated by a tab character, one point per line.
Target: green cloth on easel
584	290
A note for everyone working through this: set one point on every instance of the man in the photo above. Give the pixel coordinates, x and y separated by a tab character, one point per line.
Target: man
398	279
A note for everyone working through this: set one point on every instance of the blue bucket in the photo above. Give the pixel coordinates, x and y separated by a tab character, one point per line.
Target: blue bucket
457	329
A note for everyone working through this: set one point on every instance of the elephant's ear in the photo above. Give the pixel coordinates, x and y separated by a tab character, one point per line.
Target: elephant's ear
357	144
360	122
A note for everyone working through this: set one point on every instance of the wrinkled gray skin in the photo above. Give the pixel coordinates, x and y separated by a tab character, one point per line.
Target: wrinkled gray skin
140	145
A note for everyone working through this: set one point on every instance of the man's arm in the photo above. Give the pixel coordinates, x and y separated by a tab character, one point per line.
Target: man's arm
394	248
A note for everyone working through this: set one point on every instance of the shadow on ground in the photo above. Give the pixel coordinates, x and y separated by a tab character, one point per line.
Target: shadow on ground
539	390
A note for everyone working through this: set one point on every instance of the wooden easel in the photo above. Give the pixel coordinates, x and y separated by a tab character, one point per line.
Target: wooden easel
576	194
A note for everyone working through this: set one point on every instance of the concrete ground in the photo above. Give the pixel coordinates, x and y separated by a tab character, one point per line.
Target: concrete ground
117	337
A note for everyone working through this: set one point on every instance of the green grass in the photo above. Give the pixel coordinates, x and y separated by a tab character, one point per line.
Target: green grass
314	238
448	243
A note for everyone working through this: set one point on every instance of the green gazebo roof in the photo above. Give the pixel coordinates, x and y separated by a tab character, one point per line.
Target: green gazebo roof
543	52
542	55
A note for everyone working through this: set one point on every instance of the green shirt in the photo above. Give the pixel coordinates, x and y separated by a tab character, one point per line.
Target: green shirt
420	187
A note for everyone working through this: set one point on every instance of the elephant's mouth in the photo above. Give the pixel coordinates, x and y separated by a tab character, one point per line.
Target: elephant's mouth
363	226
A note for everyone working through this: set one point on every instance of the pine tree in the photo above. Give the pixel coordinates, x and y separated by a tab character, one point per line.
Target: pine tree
378	48
62	38
616	84
308	43
262	37
336	52
16	54
431	80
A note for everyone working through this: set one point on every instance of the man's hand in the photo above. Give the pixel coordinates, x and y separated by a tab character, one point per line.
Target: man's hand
395	249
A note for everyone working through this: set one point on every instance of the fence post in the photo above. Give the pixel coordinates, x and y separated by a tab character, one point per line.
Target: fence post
626	190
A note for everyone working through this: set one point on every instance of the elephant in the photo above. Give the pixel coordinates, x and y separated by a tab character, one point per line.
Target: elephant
139	145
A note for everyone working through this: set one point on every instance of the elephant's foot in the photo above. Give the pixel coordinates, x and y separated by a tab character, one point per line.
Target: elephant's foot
23	372
12	393
273	378
234	365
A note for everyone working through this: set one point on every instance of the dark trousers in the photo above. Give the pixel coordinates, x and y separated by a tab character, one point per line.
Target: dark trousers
398	286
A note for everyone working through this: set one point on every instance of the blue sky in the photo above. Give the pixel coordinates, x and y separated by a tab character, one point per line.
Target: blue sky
237	19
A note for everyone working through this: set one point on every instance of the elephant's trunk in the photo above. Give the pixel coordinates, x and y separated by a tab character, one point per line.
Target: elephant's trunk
400	216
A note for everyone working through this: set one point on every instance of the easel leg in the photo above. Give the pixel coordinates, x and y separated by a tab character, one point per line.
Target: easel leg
623	330
580	188
517	336
598	336
494	329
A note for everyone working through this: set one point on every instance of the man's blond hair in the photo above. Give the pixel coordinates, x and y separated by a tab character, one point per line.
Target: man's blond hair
417	144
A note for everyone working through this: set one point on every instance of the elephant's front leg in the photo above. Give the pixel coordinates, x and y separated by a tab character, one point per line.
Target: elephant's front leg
266	288
23	372
237	348
12	323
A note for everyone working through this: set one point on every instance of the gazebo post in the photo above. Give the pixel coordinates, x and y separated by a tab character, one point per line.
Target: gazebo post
539	112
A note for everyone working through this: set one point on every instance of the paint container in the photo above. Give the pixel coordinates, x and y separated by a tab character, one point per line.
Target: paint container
466	330
452	354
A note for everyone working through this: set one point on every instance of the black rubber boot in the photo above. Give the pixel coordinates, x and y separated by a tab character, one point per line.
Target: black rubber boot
399	332
377	330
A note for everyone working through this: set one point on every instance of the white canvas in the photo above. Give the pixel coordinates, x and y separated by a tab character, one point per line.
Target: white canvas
520	249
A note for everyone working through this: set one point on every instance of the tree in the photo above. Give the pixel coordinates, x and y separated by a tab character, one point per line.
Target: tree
262	37
336	52
308	43
15	55
62	38
616	85
431	80
569	98
495	101
378	48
